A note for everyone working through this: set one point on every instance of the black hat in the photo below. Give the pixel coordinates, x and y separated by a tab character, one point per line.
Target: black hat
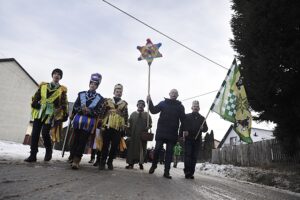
141	102
59	71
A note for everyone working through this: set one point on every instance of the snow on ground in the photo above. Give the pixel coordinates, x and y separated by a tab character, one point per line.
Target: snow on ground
282	177
15	152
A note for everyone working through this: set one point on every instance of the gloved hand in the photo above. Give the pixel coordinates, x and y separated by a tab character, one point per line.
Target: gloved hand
36	105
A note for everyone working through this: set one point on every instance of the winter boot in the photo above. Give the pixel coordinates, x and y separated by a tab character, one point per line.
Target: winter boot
96	163
31	158
152	169
167	175
70	159
130	166
75	163
110	165
102	165
93	153
141	166
98	157
48	155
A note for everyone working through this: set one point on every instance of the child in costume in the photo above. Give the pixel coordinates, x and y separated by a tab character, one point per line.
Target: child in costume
49	109
114	122
86	112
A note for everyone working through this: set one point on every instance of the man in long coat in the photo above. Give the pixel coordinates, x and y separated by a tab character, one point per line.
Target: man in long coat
137	147
171	113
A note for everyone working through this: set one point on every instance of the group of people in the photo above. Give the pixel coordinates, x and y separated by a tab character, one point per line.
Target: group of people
92	112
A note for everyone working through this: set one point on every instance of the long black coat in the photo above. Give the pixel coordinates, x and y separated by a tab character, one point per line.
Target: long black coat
193	121
171	113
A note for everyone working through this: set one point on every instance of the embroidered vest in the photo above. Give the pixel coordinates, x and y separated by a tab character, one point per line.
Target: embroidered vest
47	105
113	119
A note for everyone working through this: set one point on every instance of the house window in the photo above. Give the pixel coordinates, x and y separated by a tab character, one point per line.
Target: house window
233	141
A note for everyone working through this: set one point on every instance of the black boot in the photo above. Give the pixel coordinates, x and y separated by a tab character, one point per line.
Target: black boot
129	166
98	157
141	166
152	169
31	158
48	155
167	175
102	165
75	163
97	162
70	159
110	165
93	153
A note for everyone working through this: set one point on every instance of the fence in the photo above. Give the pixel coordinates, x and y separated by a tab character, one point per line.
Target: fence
261	153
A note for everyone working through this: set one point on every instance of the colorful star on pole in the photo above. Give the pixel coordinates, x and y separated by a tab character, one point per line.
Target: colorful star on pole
149	51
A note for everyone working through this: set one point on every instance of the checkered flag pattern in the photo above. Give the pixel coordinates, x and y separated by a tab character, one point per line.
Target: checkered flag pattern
229	106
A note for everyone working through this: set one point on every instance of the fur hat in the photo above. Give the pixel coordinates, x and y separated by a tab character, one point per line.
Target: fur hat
141	102
118	86
96	78
195	103
59	71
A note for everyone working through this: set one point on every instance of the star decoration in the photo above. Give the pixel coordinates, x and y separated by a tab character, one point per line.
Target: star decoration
149	51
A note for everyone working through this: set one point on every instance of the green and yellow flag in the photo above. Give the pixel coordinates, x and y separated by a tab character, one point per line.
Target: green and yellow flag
232	105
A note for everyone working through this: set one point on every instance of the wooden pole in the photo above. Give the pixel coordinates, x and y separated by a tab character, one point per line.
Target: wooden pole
200	129
148	117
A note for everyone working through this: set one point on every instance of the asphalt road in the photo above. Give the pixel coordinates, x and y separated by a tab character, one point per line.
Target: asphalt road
56	180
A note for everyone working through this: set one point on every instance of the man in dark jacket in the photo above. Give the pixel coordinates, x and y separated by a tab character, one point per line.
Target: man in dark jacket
171	112
192	139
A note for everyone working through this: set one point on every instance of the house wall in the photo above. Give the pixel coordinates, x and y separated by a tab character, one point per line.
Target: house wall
256	135
16	90
231	135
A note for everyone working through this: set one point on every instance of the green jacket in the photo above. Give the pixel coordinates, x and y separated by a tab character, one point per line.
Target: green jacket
177	150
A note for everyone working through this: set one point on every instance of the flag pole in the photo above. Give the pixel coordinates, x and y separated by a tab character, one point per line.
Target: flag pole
213	104
202	124
65	139
149	70
211	107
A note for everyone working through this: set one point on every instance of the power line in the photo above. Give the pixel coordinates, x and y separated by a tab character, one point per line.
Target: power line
156	30
200	95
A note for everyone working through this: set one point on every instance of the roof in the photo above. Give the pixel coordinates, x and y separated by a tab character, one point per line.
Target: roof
225	136
14	60
261	134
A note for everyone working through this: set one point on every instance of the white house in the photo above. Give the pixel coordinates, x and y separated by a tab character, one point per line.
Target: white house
16	89
232	138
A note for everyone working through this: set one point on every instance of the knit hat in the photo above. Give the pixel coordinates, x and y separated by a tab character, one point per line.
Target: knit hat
141	102
195	103
59	71
96	78
118	86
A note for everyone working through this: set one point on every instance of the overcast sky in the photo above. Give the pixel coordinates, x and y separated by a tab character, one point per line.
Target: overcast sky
87	36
